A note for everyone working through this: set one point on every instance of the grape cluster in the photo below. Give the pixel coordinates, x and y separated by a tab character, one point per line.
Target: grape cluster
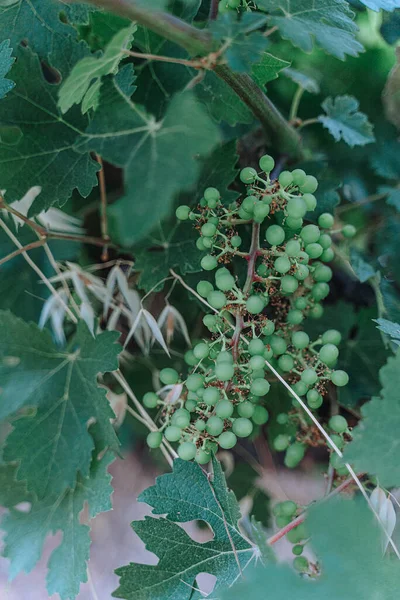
257	320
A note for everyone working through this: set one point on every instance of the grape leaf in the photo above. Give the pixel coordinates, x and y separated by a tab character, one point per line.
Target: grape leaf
393	195
51	441
88	72
6	62
120	130
386	160
78	13
328	21
347	540
375	440
267	69
391	329
361	267
219	171
183	496
45	155
344	121
27	531
390	28
391	93
378	5
306	82
222	102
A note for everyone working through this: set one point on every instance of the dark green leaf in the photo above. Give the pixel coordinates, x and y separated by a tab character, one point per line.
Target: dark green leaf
361	267
393	195
344	121
306	82
222	102
390	28
6	62
267	69
391	329
386	160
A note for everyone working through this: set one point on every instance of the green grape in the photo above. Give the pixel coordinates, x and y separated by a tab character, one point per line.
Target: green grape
282	521
311	201
172	433
182	212
285	363
316	311
181	418
213	220
236	241
187	451
268	353
224	409
225	357
227	440
192	216
302	272
300	388
314	400
309	376
300	340
282	418
242	427
303	258
338	423
216	299
295	317
349	231
262	270
326	220
275	235
257	362
208	230
314	250
322	273
301	303
293	248
211	396
297	534
211	322
224	371
169	376
327	255
200	244
297	549
154	439
260	374
285	179
203	203
259	387
223	7
260	415
246	409
207	242
260	212
325	240
202	457
248	175
256	347
190	358
214	426
212	194
225	282
310	185
282	264
288	508
289	284
281	442
249	204
310	234
194	382
294	223
266	163
208	262
255	304
278	345
200	425
336	439
268	328
328	354
300	563
336	461
150	400
234	3
340	378
299	177
296	208
320	291
294	454
201	350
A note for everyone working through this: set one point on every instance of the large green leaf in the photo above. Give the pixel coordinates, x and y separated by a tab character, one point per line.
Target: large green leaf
59	394
375	441
345	122
45	155
329	22
182	496
378	5
6	62
157	156
27	531
222	102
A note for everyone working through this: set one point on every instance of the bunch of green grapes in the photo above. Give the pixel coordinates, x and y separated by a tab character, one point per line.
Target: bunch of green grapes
257	321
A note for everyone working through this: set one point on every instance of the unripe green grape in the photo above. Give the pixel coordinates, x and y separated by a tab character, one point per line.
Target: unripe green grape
309	376
275	235
282	418
169	376
225	282
300	563
326	220
200	425
268	353
316	311
190	358
325	241
268	328
278	345
297	549
301	303
285	363
300	340
295	317
211	322
154	439
236	241
227	440
242	427
338	423
225	357
260	212
223	7
182	212
281	442
328	354
200	244
203	202
320	291
211	396
201	350
187	451
266	163
294	454
256	347
150	400
297	534
181	418
234	3
294	223
310	234
214	426
259	387
207	242
224	371
246	409
300	388
262	270
336	461
314	250
248	175
172	433
327	255
259	374
249	203
282	264
349	231
281	521
192	216
208	262
285	179
310	185
293	248
322	273
255	304
337	440
303	258
288	508
302	272
199	393
194	382
202	457
340	378
208	230
257	362
191	404
243	214
289	284
211	193
216	299
314	399
296	208
299	177
311	201
224	409
260	415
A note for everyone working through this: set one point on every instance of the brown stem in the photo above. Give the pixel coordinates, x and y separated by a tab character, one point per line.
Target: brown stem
26	248
103	209
213	14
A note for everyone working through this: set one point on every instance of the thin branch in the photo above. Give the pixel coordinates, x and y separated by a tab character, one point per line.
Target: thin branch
295	103
363	202
308	122
21	250
213	13
103	208
195	64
